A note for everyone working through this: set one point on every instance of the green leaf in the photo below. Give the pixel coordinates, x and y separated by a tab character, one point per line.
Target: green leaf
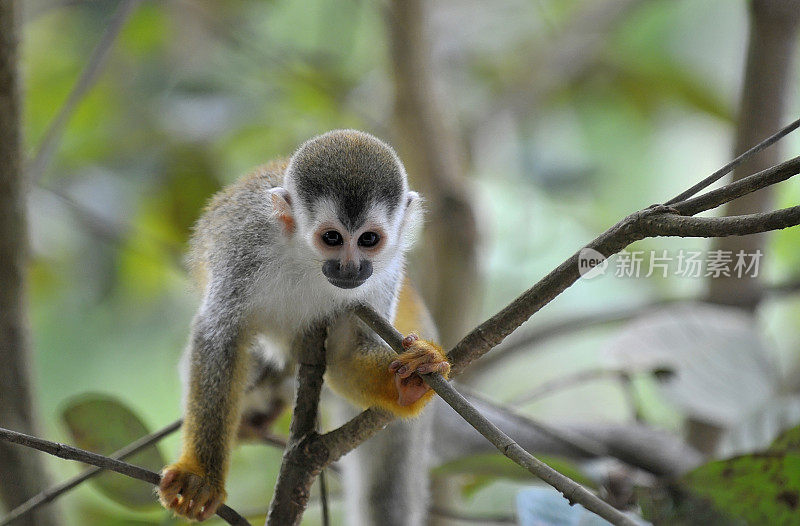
676	507
787	442
761	488
102	424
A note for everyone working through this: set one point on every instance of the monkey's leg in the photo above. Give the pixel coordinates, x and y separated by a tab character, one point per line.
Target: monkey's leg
194	486
386	477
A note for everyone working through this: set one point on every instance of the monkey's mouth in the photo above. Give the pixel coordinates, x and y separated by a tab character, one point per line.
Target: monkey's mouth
346	283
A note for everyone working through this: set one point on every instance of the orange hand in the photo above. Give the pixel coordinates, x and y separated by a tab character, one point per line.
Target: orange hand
420	357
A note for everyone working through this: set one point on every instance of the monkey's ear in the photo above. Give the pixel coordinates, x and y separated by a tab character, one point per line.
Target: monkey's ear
282	208
412	218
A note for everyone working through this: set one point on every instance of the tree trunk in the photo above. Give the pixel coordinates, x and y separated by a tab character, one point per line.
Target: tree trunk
448	259
23	473
765	95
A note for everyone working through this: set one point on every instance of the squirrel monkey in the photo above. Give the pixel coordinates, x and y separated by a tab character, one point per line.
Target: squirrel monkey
293	243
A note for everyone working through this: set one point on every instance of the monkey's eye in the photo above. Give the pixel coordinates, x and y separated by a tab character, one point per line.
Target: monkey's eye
368	239
332	238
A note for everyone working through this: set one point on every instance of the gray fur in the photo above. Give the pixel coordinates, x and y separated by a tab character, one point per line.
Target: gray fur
353	168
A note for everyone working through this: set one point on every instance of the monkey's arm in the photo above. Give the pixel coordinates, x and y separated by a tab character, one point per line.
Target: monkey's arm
367	372
194	486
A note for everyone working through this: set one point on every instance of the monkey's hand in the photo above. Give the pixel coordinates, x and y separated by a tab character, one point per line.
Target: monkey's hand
420	357
189	494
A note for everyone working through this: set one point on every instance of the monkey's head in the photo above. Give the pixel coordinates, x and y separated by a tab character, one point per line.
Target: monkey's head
345	193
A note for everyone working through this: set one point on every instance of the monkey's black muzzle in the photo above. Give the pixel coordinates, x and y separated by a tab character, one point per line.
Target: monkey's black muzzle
347	276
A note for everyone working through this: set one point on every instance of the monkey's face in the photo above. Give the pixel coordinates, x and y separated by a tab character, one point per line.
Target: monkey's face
348	254
345	194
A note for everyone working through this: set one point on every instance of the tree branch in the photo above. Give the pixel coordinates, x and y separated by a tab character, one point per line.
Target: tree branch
572	491
725	170
301	461
564	382
87	457
23	475
682	226
743	186
56	491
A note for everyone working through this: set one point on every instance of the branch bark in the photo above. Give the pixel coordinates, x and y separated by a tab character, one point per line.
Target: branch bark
40	499
302	460
87	457
23	475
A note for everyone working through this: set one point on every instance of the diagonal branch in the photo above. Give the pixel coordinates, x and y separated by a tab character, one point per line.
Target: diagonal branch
73	453
743	186
725	170
572	491
56	491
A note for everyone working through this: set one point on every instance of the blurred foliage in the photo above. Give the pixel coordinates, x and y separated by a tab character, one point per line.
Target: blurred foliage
196	93
102	424
759	488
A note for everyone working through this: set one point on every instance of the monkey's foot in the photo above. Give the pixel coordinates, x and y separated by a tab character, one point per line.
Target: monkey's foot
420	357
189	495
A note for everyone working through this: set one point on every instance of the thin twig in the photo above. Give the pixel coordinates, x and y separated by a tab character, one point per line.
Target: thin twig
572	491
323	496
719	174
87	457
89	76
578	378
743	186
54	492
537	335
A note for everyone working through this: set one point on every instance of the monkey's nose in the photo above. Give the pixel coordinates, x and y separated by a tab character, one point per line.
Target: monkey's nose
349	275
349	270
